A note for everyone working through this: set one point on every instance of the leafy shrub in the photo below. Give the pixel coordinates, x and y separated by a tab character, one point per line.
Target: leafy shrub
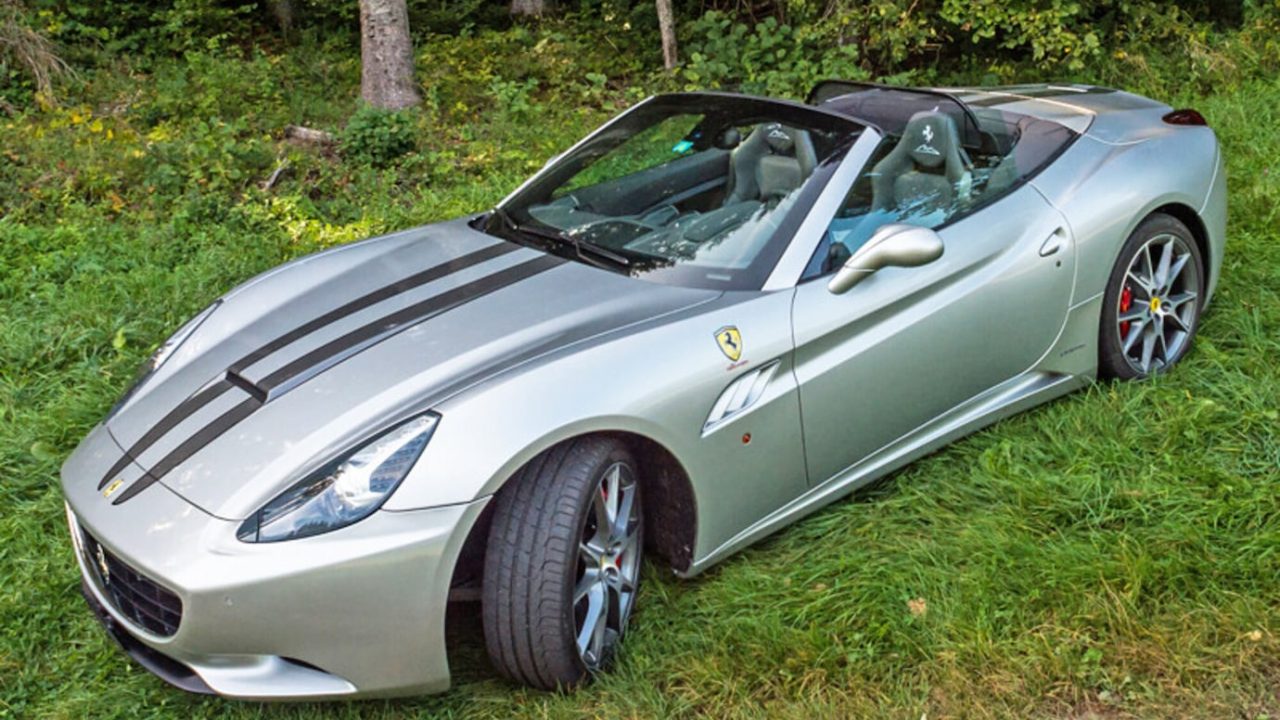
514	97
769	58
377	136
914	40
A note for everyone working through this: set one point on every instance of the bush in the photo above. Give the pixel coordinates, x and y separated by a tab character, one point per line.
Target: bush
377	136
923	40
769	58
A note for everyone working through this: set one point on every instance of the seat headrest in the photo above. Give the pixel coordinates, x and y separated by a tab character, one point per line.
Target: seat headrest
932	138
777	175
778	139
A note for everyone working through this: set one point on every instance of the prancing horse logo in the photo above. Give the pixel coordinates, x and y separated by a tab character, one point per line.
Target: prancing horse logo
103	566
925	147
730	342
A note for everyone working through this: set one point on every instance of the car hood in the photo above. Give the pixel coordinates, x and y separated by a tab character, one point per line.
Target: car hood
297	365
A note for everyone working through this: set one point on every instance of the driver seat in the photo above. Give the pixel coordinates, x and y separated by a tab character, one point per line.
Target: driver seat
926	171
771	162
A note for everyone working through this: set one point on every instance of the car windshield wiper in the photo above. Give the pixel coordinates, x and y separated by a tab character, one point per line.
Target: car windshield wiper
579	245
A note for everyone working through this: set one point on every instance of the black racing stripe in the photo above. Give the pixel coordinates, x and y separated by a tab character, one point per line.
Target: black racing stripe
190	446
405	318
411	315
430	274
184	410
212	392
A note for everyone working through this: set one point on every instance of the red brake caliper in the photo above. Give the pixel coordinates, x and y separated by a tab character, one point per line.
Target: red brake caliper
1126	300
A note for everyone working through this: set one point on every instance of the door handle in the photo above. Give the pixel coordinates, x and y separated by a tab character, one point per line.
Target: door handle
1053	243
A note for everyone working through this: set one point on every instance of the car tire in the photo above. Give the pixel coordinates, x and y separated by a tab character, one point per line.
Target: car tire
1151	310
550	568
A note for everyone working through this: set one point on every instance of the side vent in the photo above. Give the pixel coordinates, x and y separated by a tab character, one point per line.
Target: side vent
741	394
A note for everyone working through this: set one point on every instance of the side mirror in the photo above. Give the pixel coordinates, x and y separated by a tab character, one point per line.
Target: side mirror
894	245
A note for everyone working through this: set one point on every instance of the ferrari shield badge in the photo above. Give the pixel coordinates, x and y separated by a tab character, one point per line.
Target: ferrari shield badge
730	342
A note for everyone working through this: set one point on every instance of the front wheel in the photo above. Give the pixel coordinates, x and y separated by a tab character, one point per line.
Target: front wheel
563	564
1152	305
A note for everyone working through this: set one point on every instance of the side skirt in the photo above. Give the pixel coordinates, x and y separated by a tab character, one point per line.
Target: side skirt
1017	394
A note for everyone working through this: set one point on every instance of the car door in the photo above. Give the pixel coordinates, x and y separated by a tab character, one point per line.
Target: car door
908	344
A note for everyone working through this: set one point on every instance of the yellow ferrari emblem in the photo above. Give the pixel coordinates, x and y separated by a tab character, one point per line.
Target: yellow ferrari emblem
114	486
1155	304
730	342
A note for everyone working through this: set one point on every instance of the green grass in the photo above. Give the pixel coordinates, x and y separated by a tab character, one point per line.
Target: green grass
1115	553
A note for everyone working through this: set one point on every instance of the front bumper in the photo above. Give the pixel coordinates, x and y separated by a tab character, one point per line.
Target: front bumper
358	611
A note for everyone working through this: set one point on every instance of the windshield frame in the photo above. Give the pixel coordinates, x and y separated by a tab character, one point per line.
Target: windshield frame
564	166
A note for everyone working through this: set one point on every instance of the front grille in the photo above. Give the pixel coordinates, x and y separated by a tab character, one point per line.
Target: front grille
134	595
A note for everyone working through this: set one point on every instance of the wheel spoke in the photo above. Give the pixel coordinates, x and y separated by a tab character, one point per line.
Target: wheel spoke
1179	264
1176	301
626	596
1161	278
622	523
1135	332
631	542
590	551
1162	342
1149	267
1140	282
608	611
600	506
626	583
592	624
1148	347
1137	312
590	579
610	490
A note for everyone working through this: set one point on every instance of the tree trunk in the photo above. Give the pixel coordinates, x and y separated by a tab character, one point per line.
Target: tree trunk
386	55
667	26
282	11
529	8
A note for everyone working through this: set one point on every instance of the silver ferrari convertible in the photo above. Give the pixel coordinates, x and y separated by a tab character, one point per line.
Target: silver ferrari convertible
712	316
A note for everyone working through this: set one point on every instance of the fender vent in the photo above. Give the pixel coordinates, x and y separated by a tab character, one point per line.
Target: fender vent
741	394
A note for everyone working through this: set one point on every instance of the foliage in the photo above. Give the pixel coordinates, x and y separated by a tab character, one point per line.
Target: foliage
377	136
769	59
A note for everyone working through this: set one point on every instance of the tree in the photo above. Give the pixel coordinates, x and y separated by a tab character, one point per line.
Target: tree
667	26
386	55
530	8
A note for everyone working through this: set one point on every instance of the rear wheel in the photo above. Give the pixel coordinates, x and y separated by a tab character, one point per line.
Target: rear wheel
563	564
1151	309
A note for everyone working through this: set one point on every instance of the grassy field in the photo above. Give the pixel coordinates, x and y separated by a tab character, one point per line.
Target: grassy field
1115	554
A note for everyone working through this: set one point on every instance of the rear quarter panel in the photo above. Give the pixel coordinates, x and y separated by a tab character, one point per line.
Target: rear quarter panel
1107	188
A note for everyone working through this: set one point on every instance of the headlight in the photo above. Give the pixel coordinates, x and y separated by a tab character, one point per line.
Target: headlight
162	354
345	491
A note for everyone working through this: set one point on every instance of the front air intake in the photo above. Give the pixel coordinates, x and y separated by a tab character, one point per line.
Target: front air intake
135	596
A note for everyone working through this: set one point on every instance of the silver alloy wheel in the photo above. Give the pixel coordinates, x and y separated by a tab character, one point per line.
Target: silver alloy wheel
608	565
1158	304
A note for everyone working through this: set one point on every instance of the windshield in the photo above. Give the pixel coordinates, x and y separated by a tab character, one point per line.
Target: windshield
697	189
